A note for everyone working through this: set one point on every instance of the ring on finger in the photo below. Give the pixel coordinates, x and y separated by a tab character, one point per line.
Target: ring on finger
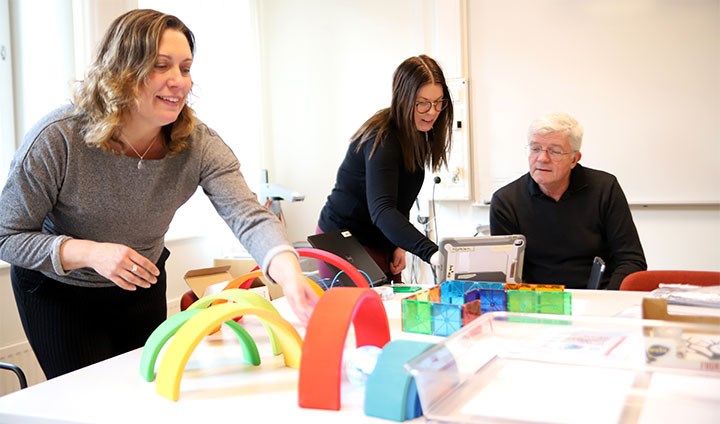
134	268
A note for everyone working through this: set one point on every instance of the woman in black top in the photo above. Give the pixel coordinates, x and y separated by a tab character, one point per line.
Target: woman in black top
384	168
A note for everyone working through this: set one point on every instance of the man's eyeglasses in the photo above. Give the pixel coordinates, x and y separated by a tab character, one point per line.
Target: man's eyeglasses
554	153
424	107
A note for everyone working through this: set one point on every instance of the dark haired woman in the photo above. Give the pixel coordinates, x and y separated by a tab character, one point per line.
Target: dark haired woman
384	168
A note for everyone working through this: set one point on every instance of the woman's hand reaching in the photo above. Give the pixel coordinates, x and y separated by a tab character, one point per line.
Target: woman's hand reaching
285	270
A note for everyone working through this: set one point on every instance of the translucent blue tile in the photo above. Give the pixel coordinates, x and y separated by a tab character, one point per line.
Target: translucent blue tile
492	300
473	294
453	291
446	319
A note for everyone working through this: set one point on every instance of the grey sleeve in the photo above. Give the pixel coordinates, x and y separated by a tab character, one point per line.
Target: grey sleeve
33	183
257	229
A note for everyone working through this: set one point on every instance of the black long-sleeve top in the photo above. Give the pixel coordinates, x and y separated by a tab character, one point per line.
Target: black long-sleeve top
372	198
592	218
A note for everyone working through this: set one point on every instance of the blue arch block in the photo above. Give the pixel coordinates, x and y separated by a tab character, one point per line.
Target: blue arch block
390	391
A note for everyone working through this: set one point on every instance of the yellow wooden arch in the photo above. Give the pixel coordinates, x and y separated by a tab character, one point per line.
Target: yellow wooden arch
241	297
200	325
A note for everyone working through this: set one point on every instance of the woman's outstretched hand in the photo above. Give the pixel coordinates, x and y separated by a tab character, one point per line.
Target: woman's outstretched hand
285	270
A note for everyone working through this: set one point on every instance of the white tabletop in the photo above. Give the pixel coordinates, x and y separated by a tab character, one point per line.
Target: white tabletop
217	385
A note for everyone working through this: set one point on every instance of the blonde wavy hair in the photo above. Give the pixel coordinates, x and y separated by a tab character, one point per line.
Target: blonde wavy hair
125	58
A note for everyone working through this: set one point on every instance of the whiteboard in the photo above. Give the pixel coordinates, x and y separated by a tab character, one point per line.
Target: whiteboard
641	76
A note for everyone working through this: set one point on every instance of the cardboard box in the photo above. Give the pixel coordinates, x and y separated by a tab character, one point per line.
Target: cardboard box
238	265
679	347
211	280
657	308
200	279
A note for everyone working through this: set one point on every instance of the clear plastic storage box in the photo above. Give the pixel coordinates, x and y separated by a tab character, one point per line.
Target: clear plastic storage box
509	368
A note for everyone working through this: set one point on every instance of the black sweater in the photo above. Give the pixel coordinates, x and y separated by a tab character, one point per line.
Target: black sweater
372	198
592	218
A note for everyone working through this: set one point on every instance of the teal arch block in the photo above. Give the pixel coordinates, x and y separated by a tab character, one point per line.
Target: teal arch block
390	391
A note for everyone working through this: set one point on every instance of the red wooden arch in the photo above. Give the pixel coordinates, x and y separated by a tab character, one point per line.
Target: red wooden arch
336	260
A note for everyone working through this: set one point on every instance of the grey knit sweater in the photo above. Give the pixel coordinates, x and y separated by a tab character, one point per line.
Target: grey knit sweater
59	187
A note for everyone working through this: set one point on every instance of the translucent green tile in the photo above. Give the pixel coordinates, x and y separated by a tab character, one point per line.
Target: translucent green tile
554	302
416	316
522	301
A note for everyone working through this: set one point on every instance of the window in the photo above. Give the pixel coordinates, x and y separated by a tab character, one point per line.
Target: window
37	71
7	125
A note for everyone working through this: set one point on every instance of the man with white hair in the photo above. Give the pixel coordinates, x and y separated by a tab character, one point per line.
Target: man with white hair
569	214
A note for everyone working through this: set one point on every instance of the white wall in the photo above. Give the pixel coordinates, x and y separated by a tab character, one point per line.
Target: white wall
326	73
643	78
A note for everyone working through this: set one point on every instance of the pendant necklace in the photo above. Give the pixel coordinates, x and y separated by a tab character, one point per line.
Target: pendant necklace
140	162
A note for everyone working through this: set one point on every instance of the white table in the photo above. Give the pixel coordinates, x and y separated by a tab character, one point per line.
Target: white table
217	386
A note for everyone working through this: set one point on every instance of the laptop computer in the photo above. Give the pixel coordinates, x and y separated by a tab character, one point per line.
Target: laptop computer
345	245
489	258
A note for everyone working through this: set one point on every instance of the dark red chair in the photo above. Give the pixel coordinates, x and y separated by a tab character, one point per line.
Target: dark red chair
18	372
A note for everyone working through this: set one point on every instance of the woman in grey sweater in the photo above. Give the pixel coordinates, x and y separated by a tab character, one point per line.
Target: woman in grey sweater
93	189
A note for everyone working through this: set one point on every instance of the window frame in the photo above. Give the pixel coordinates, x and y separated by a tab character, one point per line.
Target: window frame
8	144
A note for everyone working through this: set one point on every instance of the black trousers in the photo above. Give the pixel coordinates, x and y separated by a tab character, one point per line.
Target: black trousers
71	327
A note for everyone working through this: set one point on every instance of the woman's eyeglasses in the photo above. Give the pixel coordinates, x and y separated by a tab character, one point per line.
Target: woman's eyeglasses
424	107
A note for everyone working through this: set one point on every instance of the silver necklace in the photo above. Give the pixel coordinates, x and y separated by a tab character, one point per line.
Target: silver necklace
140	162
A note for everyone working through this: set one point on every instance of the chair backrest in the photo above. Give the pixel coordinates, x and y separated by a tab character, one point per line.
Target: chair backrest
651	279
18	372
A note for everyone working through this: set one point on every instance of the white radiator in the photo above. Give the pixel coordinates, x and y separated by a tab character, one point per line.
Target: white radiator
21	355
